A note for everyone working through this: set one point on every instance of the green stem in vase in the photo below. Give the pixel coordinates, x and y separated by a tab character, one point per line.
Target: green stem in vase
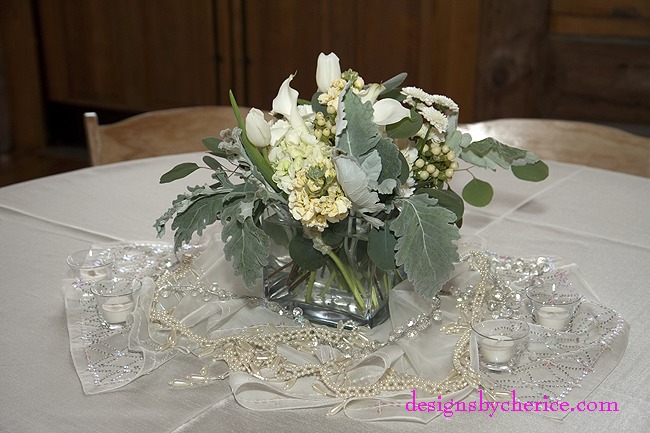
310	285
352	284
328	283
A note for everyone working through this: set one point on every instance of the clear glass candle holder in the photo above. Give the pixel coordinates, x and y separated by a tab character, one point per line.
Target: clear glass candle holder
115	300
500	343
88	266
553	304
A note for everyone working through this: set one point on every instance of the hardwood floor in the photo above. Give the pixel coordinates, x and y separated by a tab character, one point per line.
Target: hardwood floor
22	166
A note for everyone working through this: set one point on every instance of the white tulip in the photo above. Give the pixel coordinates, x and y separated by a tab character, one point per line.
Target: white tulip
389	111
328	69
258	130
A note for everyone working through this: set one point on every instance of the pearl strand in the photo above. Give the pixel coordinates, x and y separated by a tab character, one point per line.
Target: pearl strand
256	353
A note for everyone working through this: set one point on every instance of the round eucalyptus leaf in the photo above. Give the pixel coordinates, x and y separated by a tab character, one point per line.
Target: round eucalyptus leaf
478	193
302	252
532	172
381	248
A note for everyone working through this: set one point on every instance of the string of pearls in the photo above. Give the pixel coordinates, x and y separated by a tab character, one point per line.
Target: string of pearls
255	350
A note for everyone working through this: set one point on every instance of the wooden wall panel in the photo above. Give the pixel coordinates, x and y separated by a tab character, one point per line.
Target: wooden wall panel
25	119
434	41
511	63
132	55
601	18
584	84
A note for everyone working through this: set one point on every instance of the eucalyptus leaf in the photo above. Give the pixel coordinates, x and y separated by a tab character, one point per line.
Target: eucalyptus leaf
425	244
404	172
317	106
178	172
333	237
304	254
395	94
447	199
394	82
407	127
531	172
246	245
212	163
278	232
381	247
454	140
478	193
490	153
212	144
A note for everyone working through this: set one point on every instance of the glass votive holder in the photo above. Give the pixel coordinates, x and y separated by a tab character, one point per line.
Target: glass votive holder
500	342
95	264
553	304
115	300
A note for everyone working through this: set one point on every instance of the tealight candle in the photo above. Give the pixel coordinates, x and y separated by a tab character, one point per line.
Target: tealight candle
553	317
497	349
117	309
95	274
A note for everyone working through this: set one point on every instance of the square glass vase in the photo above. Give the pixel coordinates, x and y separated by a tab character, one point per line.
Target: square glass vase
349	287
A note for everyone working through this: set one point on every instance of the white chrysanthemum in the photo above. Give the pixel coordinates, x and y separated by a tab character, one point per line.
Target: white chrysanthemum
415	94
444	102
435	118
411	155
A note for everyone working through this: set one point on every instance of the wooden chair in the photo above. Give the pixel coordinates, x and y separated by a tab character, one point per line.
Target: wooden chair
155	133
569	141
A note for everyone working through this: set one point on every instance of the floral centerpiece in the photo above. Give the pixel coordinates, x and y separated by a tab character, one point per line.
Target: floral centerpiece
348	192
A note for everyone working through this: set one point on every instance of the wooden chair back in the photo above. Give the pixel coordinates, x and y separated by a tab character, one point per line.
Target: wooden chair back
570	141
155	133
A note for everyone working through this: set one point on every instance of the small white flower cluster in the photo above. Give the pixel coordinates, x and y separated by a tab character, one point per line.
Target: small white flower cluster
436	162
330	98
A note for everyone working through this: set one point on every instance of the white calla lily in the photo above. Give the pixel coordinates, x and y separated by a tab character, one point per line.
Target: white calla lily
258	130
388	111
286	99
328	69
371	93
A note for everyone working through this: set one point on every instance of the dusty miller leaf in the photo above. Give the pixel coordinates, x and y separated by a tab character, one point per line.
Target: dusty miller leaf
359	133
354	183
391	163
200	214
246	245
371	165
425	245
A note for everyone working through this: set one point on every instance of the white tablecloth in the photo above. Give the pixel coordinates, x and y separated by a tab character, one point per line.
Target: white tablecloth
598	219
